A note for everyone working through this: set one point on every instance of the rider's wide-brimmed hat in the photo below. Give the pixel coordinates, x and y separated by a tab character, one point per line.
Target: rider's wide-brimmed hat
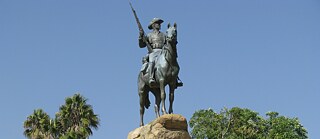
155	20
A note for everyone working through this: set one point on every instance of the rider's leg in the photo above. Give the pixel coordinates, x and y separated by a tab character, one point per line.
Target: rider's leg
151	73
175	72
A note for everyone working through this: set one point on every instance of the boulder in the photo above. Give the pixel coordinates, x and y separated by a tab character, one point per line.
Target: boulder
169	126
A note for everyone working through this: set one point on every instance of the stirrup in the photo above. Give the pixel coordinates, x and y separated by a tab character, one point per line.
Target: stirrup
152	83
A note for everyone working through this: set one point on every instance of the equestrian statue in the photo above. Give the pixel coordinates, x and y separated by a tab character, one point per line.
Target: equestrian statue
159	67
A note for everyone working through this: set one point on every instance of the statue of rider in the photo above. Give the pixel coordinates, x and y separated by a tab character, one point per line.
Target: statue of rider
157	40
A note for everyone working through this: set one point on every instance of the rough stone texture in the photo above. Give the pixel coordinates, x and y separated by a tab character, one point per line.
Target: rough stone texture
169	126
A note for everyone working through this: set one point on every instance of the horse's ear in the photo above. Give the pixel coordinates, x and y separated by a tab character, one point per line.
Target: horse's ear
168	25
175	25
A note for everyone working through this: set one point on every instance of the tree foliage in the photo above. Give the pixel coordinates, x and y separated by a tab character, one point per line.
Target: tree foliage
73	121
37	125
77	117
239	123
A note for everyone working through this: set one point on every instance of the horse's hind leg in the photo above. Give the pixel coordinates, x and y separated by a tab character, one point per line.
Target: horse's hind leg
171	98
142	97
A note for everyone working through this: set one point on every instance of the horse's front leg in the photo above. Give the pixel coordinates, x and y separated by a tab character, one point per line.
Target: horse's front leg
163	96
171	98
156	93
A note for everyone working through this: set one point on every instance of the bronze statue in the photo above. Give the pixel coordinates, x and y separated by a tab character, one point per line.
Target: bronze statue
160	66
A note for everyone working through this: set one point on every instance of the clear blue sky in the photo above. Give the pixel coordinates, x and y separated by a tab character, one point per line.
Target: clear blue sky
261	55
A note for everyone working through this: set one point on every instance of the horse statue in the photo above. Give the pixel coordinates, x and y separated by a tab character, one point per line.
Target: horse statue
166	73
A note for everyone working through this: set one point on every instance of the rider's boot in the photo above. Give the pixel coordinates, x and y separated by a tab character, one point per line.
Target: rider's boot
179	82
152	82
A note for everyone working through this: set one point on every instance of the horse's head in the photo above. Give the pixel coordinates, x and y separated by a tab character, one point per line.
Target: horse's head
172	33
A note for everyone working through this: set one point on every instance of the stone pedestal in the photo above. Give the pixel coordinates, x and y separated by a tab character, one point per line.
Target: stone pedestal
169	126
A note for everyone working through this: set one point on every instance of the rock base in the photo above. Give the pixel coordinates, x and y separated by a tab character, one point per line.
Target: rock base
169	126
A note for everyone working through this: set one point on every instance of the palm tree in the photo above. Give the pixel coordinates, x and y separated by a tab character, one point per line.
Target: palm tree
76	117
38	125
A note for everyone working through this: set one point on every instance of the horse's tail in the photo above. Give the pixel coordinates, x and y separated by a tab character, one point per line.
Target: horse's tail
147	101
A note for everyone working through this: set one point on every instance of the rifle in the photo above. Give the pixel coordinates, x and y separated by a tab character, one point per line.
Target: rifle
141	29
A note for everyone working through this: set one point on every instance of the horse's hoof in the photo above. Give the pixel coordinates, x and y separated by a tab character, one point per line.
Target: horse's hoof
141	124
